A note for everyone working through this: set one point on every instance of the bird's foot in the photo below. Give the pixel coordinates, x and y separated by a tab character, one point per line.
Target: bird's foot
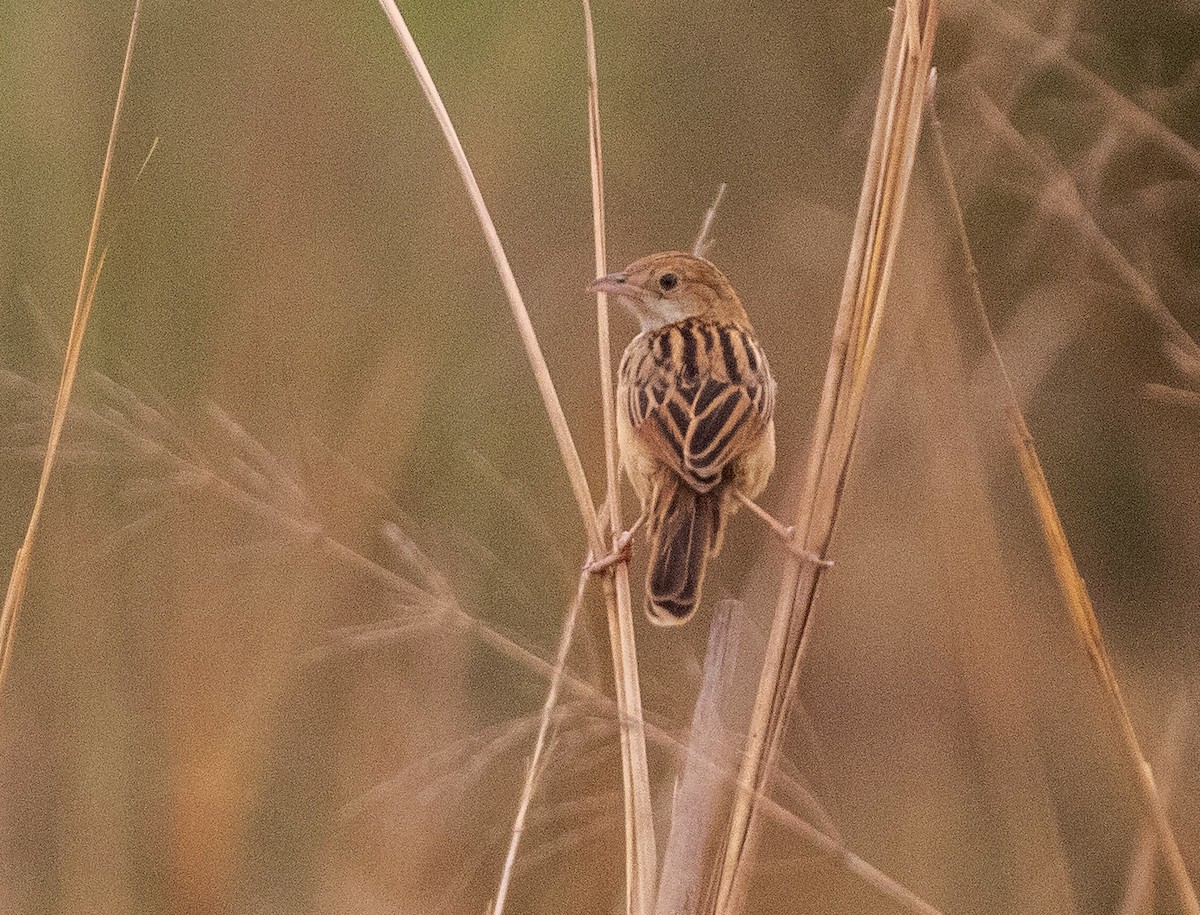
785	532
622	551
809	555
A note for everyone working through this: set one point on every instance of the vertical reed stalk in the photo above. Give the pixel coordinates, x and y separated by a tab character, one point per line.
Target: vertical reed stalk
880	214
641	851
1168	763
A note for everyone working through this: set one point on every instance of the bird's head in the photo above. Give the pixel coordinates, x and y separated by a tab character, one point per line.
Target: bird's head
662	289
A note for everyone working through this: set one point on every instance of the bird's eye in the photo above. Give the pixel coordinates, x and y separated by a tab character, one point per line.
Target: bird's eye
668	281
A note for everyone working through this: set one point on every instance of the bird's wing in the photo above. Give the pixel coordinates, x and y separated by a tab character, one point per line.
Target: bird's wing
698	398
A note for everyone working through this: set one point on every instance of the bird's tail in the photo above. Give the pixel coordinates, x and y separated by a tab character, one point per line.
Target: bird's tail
686	528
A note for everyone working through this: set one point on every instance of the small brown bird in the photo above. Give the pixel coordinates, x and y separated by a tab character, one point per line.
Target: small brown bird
695	399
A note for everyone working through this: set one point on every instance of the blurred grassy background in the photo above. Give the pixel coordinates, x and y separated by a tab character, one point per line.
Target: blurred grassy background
186	731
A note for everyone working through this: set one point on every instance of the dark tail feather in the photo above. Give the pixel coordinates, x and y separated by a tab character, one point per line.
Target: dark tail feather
685	531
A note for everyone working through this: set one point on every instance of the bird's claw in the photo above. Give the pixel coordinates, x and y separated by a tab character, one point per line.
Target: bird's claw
622	552
809	555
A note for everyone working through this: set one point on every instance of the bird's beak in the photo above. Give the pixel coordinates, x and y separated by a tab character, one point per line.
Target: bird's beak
614	283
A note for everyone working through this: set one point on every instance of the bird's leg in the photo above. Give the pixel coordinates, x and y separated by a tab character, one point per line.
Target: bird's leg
786	532
622	550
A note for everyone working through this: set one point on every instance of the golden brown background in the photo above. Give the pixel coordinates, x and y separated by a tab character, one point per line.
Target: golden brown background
301	363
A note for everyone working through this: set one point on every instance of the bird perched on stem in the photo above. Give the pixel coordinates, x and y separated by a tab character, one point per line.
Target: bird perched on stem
695	399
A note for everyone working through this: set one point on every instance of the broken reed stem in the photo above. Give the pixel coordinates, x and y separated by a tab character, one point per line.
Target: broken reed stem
1071	584
698	792
641	854
88	281
541	373
536	765
881	208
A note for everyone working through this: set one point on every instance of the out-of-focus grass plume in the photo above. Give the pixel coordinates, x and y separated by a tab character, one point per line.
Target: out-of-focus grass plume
309	542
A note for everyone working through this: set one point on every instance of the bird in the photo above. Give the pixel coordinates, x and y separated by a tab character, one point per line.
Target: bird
694	408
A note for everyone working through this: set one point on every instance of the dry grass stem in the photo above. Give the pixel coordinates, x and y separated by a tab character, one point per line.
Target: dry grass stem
1083	616
1074	591
641	854
831	849
88	280
451	612
881	208
535	766
704	241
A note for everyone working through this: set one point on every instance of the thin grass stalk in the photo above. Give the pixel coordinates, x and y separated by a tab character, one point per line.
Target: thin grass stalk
533	350
831	849
1083	616
536	765
641	854
856	332
1071	584
703	241
89	278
